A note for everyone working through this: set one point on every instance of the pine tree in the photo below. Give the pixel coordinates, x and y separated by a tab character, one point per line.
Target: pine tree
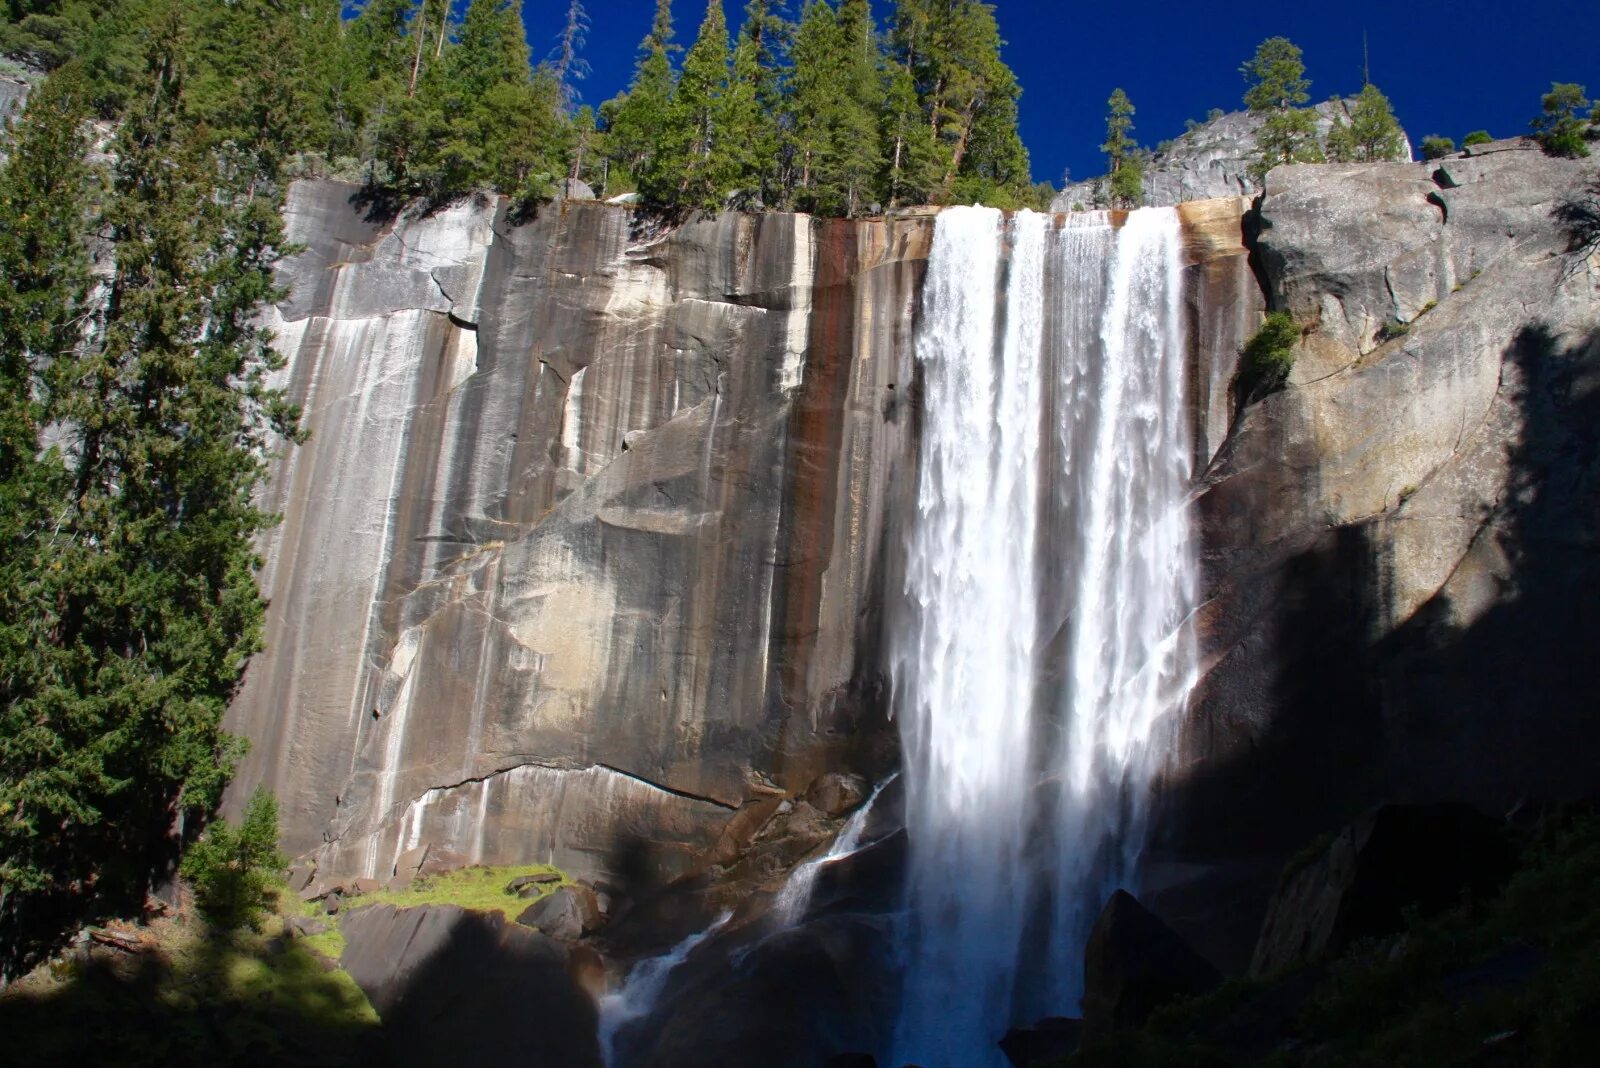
1372	135
951	49
692	165
1288	133
635	119
1119	123
137	585
1559	127
567	67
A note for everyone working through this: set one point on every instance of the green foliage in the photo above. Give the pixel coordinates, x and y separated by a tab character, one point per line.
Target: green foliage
1477	137
1436	147
199	998
1288	134
233	870
1511	980
1276	74
130	603
1372	134
1119	124
1559	128
1126	185
479	888
1268	356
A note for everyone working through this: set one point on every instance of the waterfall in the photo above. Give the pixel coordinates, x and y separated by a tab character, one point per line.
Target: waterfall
1041	639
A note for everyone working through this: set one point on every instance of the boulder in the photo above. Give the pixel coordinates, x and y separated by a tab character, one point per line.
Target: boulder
1362	881
1134	964
300	876
567	913
408	866
439	861
332	903
1047	1042
459	987
532	885
304	926
365	885
835	793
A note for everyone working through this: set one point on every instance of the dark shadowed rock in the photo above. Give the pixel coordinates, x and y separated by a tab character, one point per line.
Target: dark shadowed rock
851	1060
567	913
793	1000
460	987
1134	964
530	885
835	794
1362	882
1047	1042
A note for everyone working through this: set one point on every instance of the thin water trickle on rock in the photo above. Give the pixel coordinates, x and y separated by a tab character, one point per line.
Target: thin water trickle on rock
1041	640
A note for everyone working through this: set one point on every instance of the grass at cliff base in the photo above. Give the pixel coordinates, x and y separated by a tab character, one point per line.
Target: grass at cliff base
185	994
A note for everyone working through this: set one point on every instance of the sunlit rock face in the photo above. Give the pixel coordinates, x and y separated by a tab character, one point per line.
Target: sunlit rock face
585	548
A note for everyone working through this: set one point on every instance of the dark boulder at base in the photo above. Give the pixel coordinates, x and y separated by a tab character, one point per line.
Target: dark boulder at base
567	913
851	1060
792	1000
1134	964
459	987
1047	1042
1362	882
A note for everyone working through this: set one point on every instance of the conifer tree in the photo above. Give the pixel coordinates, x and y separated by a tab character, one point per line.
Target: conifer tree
692	164
1119	123
1371	135
139	586
635	119
1288	133
567	67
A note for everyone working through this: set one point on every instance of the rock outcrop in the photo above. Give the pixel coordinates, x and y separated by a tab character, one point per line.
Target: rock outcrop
1210	160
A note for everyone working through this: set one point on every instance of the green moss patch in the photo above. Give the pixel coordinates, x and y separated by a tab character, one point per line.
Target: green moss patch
482	889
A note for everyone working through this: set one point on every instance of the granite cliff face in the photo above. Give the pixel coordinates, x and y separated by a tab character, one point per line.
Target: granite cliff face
584	550
586	558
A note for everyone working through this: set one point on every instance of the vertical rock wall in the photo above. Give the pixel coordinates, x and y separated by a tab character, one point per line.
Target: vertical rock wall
585	548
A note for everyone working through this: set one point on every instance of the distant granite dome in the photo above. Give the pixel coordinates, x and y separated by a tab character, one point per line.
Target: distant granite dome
1212	160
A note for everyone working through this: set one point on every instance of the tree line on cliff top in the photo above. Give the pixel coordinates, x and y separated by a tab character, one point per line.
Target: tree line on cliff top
825	110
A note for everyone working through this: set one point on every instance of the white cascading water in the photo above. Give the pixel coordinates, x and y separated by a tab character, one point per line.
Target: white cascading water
1042	639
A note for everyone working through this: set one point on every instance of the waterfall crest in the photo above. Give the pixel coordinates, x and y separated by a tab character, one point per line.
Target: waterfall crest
1041	640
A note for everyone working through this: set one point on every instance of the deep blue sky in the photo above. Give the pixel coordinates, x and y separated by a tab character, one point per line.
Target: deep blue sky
1449	67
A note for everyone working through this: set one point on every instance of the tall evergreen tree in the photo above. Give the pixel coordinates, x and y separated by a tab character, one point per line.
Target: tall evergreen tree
140	583
693	165
1278	86
1119	123
635	118
567	67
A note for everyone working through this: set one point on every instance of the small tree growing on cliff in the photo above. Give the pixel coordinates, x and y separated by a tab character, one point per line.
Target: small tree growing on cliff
1559	129
1125	185
1278	86
1372	135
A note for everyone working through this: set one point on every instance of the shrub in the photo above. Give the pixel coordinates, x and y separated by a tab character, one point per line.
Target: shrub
1559	128
1268	357
1476	137
232	869
1436	147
